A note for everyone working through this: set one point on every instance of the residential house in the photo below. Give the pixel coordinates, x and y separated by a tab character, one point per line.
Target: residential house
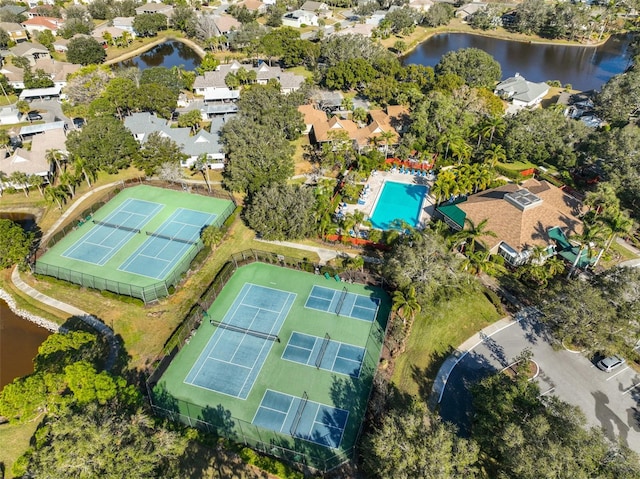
30	51
319	8
40	11
14	74
311	116
102	33
225	24
420	5
381	123
212	85
376	17
142	125
34	161
10	115
40	24
300	18
469	9
522	217
253	6
13	9
364	29
124	23
61	45
38	3
521	92
166	10
16	32
58	71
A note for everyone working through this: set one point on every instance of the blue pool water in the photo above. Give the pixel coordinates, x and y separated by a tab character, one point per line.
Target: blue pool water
398	201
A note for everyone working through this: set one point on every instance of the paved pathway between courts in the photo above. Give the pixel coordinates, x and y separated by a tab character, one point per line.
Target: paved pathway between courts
92	321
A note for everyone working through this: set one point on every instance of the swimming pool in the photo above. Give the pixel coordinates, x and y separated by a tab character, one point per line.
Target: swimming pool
398	201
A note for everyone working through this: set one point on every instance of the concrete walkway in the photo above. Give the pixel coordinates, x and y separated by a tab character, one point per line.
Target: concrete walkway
88	319
461	351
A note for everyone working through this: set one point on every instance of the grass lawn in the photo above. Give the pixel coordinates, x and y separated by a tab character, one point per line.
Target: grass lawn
301	166
517	165
15	441
436	332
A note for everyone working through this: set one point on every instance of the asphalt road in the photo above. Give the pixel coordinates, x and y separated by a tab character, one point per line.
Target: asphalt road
608	400
51	110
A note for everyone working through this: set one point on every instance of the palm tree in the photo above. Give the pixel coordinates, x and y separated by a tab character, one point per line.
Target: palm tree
493	125
494	154
37	181
18	178
615	224
69	181
444	186
482	179
212	236
461	149
202	165
83	166
387	136
478	262
405	303
55	194
472	233
594	235
55	157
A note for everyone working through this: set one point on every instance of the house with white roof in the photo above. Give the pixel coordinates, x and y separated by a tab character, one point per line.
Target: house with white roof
124	23
143	124
520	92
155	8
10	115
298	18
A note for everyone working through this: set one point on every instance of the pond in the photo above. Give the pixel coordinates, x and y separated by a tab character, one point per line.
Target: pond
19	343
168	54
585	68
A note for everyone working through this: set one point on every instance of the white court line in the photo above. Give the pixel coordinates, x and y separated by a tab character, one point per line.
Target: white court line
619	372
228	362
550	390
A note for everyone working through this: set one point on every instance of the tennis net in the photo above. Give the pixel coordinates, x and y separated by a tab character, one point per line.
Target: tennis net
298	416
118	227
323	349
171	238
341	300
252	332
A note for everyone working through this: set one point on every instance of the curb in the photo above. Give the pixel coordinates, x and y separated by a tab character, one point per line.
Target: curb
461	351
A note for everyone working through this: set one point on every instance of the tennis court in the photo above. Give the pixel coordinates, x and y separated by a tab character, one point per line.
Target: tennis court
324	353
302	418
110	234
343	303
232	359
166	246
132	243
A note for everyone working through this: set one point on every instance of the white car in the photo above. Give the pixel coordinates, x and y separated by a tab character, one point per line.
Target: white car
610	363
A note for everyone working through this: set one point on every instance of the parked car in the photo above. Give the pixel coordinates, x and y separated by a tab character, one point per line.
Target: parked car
610	363
34	116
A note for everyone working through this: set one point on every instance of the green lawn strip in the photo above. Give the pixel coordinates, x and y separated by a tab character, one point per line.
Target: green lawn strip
15	440
517	165
436	333
277	374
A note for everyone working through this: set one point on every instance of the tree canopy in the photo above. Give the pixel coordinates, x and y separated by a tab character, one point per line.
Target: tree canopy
156	151
85	51
281	212
15	243
476	67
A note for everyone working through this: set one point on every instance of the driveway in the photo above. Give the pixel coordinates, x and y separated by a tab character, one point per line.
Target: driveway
608	400
51	110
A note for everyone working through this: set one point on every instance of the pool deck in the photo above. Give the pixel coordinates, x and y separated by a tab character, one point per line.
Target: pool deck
376	182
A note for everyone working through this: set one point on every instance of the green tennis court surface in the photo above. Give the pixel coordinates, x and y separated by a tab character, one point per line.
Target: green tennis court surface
301	418
305	391
343	303
137	244
232	359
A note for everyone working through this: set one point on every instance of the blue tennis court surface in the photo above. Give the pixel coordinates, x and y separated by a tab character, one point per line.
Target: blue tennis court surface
231	360
342	302
324	353
301	418
156	257
102	242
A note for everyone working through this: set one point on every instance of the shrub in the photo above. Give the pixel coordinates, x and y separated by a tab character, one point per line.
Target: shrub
269	464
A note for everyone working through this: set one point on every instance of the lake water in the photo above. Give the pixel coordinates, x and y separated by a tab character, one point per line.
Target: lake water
585	68
168	54
19	342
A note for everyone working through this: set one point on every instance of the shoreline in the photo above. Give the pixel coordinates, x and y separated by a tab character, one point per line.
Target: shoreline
509	37
161	39
43	323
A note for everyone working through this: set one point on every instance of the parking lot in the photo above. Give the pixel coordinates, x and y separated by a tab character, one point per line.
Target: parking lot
608	400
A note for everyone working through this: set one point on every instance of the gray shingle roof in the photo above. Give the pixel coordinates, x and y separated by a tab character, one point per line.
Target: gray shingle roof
518	88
